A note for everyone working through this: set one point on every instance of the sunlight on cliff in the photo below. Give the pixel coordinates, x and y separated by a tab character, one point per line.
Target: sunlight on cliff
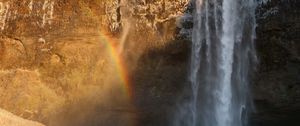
81	80
70	63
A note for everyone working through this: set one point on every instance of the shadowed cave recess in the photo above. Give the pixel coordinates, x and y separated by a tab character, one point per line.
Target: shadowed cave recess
149	63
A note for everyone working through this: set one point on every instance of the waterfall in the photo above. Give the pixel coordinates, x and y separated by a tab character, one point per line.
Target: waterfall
223	56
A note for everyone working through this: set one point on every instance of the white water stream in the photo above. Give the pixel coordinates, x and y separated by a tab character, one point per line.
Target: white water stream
222	59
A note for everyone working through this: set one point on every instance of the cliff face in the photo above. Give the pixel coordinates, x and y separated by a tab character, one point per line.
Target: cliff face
58	56
277	83
279	52
54	54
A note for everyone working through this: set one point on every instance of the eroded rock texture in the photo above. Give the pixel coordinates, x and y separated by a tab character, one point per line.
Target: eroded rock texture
276	88
54	53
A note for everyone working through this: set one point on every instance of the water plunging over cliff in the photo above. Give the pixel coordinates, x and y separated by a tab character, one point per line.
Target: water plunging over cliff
222	57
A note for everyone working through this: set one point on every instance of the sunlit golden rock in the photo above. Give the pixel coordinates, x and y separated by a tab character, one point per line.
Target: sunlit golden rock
8	119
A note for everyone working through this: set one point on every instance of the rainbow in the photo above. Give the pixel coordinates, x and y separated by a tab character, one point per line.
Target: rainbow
111	45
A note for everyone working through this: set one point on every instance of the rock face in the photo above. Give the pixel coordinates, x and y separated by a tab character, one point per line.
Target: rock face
277	83
23	93
279	52
8	119
56	53
55	60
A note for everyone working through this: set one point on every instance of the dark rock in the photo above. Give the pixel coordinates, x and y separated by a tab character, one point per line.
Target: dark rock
276	88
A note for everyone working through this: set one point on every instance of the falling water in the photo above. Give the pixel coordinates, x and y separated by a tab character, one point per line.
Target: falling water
125	14
223	55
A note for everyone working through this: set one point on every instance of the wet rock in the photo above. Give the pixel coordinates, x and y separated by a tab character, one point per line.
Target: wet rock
278	50
39	34
276	84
